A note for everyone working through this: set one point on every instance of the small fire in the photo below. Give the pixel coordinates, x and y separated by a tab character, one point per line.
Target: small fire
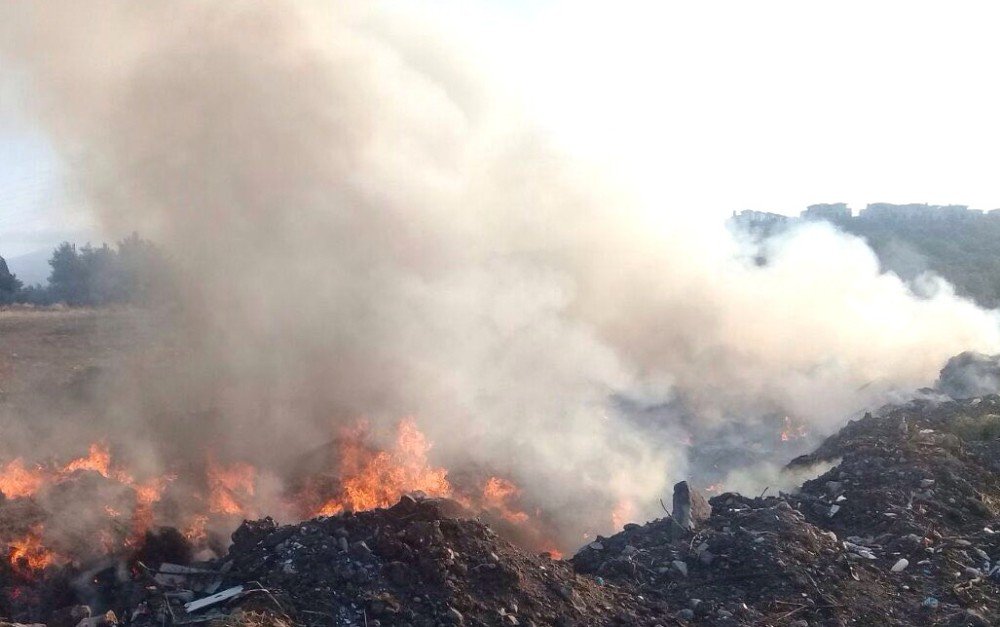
496	495
623	512
792	431
378	480
29	550
231	488
16	481
19	481
146	495
196	531
98	459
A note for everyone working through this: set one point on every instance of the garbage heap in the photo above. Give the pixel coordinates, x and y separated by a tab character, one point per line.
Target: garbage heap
903	529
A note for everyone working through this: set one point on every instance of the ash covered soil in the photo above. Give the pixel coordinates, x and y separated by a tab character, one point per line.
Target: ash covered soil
903	530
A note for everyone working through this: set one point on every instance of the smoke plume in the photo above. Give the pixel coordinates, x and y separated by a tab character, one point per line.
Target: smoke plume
362	231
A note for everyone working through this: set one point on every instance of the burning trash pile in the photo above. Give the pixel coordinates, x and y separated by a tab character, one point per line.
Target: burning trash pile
901	530
89	531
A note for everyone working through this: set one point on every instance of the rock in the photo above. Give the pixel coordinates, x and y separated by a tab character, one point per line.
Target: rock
455	616
900	565
689	506
686	614
681	567
360	550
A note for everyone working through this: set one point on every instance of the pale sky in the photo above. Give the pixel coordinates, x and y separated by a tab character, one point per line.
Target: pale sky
705	106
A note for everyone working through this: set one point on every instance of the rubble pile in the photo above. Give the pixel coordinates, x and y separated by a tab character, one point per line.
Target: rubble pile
755	561
421	563
902	529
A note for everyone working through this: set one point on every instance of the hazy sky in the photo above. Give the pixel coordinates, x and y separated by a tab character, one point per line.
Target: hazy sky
705	106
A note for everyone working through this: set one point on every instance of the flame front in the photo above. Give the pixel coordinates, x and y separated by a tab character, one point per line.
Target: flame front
364	477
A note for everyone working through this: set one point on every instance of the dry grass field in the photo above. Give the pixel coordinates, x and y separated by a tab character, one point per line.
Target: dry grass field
59	368
42	351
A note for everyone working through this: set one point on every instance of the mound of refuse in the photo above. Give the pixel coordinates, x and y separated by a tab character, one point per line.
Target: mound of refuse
423	562
902	529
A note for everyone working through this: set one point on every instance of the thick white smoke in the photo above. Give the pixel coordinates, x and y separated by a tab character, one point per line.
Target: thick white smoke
361	233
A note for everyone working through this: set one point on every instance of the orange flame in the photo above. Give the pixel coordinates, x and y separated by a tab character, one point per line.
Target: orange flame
379	479
623	513
230	487
29	549
196	529
366	478
98	459
495	496
792	431
16	481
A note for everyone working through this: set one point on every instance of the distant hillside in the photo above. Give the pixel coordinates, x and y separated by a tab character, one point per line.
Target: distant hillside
966	253
960	244
32	268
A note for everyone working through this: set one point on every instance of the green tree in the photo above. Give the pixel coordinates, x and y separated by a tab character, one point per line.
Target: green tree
10	285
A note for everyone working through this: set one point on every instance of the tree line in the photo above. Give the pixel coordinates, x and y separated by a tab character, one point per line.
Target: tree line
132	271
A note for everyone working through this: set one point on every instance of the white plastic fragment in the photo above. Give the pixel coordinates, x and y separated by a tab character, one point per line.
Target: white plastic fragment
218	597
